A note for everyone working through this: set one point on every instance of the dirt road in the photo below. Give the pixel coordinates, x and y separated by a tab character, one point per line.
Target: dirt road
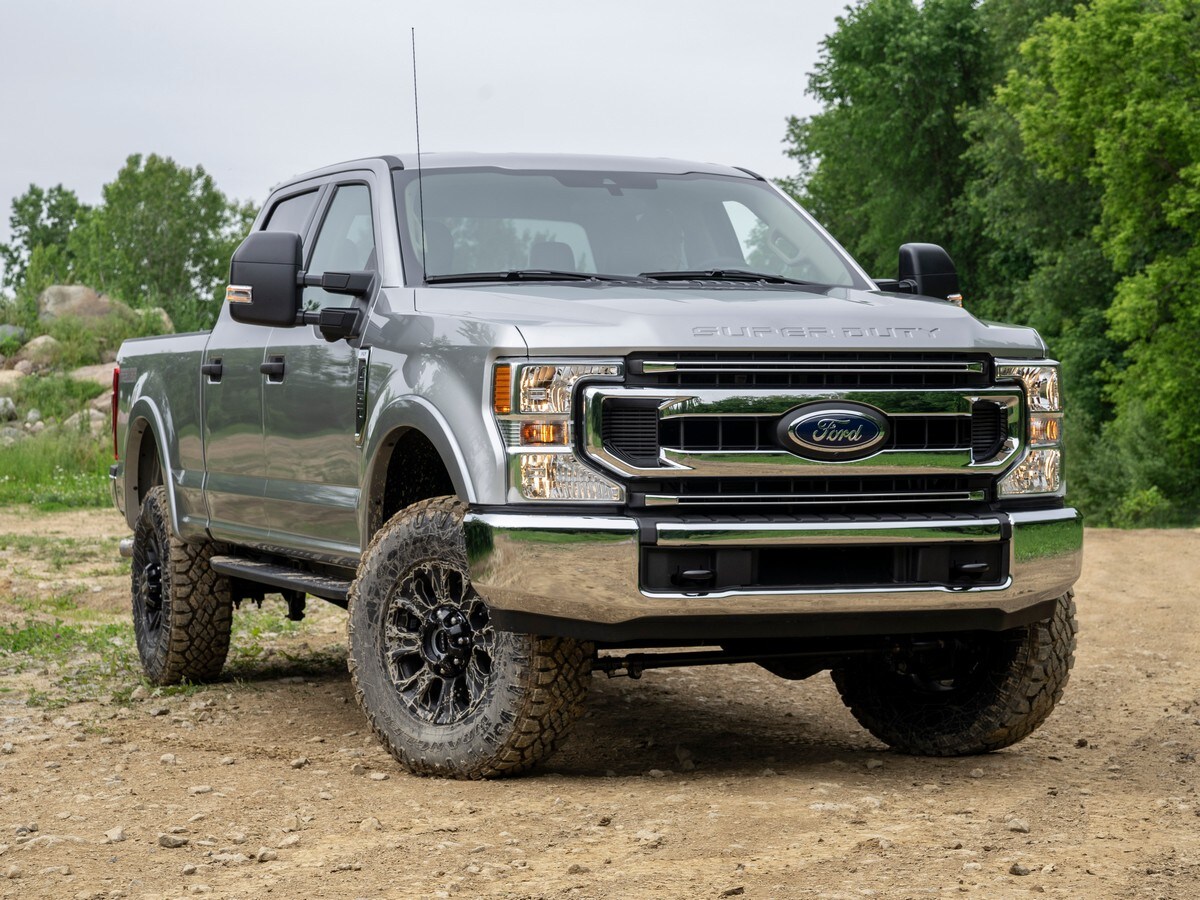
687	784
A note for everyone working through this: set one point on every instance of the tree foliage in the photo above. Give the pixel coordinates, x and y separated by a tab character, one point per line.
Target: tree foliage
1056	155
162	236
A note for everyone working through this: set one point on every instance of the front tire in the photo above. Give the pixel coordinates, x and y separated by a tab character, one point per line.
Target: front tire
446	692
983	693
182	609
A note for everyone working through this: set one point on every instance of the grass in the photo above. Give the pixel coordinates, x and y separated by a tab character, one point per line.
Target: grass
54	396
56	470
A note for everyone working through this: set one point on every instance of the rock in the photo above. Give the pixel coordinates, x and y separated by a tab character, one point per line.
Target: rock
101	375
226	761
299	762
380	776
8	409
657	773
648	838
14	872
167	759
12	332
23	367
733	891
161	318
874	763
139	693
77	301
1018	825
371	824
1081	743
158	711
231	859
189	869
40	353
7	748
577	869
198	789
172	841
90	420
324	795
358	769
290	840
10	436
977	773
1018	869
116	835
9	378
266	854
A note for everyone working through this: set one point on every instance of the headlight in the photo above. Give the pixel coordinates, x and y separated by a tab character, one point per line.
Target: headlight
532	402
1040	472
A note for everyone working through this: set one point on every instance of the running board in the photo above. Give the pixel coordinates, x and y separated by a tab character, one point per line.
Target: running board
283	577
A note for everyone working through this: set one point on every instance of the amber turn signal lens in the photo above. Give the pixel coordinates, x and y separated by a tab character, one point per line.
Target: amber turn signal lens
502	390
544	433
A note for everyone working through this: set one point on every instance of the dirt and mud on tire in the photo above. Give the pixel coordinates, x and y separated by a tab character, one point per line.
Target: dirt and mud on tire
182	609
445	691
984	692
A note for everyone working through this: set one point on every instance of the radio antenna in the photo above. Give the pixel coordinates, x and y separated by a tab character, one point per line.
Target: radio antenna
417	120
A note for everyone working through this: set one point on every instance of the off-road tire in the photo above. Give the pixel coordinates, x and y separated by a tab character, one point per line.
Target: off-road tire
182	609
507	719
1014	688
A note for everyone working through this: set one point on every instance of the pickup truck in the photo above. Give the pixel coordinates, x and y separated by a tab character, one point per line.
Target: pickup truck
533	417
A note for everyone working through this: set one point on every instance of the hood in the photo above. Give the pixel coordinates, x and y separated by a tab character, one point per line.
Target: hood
613	319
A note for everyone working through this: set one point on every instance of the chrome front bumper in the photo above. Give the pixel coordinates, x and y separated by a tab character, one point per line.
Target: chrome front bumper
537	570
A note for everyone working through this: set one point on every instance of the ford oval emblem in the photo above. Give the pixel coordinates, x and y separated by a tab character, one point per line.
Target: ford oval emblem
833	431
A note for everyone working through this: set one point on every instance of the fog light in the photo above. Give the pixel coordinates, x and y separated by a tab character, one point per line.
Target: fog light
560	476
1038	473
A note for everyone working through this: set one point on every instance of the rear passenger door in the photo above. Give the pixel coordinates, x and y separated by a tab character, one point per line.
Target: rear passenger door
313	460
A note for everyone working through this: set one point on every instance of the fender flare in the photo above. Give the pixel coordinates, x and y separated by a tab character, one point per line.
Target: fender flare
144	410
417	414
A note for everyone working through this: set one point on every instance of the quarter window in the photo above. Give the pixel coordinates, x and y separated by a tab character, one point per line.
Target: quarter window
292	214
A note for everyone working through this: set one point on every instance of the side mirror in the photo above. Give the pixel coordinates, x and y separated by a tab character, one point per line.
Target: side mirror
929	268
262	279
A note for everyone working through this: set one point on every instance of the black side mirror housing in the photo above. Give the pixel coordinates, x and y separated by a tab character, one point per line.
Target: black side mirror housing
263	274
930	270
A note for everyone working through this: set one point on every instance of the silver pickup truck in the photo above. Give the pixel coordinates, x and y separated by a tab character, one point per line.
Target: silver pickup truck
531	417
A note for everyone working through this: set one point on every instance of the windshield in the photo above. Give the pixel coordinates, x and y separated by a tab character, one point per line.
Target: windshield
624	224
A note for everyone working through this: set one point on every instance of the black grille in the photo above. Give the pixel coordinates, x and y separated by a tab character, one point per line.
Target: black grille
751	433
808	491
814	568
831	369
989	429
629	428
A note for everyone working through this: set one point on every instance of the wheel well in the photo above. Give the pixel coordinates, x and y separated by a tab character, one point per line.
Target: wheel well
414	471
146	465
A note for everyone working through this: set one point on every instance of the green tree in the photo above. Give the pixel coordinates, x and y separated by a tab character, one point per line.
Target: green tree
40	218
1108	103
882	163
162	237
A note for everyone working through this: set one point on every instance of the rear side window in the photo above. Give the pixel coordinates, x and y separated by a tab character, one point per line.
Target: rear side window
292	214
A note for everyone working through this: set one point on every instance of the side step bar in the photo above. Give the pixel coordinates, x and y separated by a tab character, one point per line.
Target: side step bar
283	577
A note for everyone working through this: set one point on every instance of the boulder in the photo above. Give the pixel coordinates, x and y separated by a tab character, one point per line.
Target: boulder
77	301
159	315
9	378
10	435
40	353
12	331
90	419
8	409
22	367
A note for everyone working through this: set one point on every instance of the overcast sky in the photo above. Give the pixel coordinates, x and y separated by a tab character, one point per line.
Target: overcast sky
259	90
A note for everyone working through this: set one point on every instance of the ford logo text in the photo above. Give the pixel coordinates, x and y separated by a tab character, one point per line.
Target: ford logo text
833	431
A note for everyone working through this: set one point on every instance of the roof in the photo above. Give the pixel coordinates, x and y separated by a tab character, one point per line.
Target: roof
526	161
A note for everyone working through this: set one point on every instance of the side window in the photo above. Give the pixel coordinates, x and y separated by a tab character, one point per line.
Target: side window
292	214
346	242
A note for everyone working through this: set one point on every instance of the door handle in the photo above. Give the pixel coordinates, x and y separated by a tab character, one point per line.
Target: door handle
212	369
273	368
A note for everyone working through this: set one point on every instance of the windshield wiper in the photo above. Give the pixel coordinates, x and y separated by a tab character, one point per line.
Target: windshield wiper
527	275
723	275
